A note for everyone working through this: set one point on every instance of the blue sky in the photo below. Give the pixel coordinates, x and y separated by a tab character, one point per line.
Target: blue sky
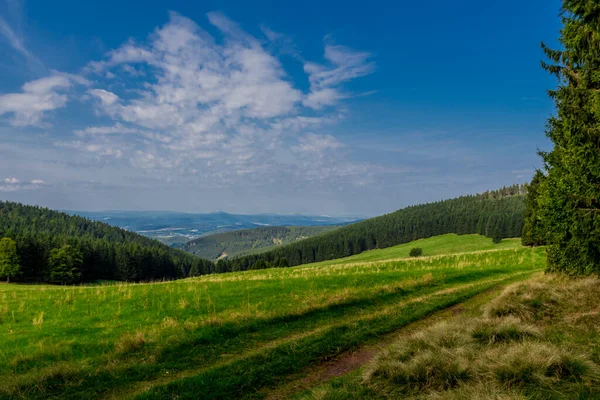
341	108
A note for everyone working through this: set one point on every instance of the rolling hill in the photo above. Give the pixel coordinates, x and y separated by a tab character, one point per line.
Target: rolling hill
113	253
250	241
108	253
497	214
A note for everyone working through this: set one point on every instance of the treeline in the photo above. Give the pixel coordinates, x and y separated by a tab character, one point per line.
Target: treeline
51	246
107	252
497	214
250	241
563	207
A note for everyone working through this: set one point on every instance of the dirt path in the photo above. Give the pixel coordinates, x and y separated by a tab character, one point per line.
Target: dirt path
351	361
330	369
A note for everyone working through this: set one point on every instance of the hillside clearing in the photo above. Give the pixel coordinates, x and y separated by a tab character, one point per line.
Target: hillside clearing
438	245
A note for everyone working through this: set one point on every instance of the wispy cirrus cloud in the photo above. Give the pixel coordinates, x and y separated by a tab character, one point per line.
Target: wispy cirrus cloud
11	33
344	64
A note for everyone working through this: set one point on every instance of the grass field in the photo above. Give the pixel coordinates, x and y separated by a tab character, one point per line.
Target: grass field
234	335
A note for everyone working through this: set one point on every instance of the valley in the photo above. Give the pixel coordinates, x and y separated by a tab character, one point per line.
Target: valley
250	241
177	228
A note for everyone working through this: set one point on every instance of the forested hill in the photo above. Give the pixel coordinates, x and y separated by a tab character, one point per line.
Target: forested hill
107	252
495	214
250	241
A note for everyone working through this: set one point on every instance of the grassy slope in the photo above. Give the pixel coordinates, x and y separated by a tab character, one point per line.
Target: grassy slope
251	241
226	336
538	339
438	245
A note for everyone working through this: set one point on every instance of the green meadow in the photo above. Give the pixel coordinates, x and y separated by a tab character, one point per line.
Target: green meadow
234	335
438	245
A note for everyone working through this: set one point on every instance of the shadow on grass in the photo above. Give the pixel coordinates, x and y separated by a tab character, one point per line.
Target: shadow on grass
205	345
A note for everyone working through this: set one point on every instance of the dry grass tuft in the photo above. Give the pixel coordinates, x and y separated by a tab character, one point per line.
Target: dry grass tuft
503	330
426	370
169	322
184	304
497	356
39	319
528	301
479	391
130	343
537	364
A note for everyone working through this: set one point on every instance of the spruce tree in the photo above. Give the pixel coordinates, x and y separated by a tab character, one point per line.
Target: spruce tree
570	195
9	259
533	232
65	264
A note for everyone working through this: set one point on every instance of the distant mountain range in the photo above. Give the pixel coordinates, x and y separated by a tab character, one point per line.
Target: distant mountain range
176	228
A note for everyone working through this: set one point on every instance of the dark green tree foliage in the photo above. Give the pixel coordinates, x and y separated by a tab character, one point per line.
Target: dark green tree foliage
416	252
499	212
9	259
569	198
64	265
108	252
496	237
533	231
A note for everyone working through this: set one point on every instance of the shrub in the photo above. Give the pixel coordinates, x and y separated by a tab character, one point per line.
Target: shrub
416	252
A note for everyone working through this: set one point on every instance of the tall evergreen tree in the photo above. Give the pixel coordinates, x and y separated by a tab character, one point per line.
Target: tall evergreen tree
570	195
64	265
9	259
533	232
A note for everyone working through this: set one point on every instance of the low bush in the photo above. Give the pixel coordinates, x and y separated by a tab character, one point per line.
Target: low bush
416	252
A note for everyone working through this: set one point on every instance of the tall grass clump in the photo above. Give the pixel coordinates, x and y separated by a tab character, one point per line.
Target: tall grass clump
130	342
534	340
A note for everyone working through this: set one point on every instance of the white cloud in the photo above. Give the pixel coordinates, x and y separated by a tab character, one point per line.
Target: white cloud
98	149
215	110
107	98
13	184
106	130
320	98
317	144
37	98
344	64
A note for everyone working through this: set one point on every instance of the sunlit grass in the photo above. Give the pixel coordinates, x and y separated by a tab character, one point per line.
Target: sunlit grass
438	245
252	327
